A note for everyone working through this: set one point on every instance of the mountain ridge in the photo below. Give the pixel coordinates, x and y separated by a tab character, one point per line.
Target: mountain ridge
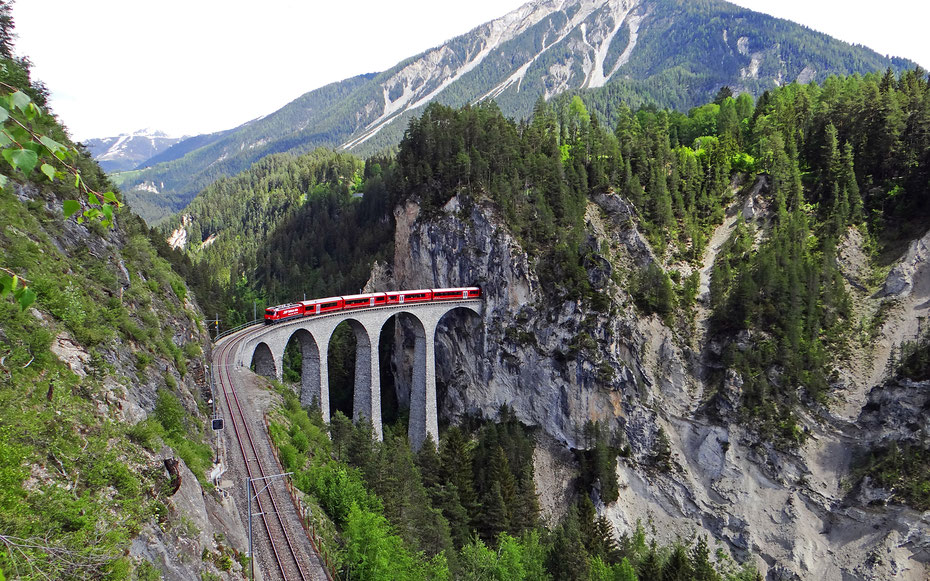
668	52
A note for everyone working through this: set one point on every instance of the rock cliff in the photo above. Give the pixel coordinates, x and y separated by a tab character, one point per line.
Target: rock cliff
560	364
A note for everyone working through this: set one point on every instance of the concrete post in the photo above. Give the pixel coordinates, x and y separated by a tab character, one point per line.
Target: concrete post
324	386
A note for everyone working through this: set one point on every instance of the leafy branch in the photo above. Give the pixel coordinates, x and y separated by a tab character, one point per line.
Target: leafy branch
10	284
24	148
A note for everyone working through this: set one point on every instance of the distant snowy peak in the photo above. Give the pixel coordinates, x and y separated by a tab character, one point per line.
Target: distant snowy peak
147	132
128	150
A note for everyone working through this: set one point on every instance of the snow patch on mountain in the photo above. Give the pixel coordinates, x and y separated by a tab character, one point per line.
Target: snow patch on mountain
128	150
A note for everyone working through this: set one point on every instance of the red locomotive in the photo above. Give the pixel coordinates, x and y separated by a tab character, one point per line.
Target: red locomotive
364	301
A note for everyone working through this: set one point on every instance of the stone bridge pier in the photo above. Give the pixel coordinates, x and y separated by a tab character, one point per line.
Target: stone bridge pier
266	351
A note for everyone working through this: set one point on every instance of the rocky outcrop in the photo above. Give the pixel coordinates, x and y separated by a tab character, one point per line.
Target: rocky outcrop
561	363
178	238
906	274
196	524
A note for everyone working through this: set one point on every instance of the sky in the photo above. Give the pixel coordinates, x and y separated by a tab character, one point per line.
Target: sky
198	66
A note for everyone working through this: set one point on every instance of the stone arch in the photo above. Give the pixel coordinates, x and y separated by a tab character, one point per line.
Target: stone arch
366	392
466	308
263	360
423	414
312	390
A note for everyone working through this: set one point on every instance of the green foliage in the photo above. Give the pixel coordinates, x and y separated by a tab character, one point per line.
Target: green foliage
255	239
25	144
652	290
900	467
182	432
599	461
914	358
397	513
76	483
47	425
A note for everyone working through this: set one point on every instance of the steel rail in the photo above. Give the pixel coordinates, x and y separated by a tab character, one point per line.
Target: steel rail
223	373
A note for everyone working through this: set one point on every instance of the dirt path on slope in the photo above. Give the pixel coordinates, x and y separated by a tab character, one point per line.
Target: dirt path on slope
717	240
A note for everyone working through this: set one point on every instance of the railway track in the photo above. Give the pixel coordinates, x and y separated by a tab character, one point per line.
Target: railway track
287	561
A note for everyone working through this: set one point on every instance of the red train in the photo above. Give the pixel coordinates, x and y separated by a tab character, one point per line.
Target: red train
346	303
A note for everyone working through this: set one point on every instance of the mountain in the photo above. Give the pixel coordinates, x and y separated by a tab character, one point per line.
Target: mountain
128	150
673	53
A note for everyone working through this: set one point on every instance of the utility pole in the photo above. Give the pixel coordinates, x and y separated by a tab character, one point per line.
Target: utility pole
216	325
249	487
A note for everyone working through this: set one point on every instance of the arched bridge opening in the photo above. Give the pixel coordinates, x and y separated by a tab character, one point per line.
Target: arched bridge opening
460	330
263	361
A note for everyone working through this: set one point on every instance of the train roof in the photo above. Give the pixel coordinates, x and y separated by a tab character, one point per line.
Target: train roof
324	300
362	296
461	288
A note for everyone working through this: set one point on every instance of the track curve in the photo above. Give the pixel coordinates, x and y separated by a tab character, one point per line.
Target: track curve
288	560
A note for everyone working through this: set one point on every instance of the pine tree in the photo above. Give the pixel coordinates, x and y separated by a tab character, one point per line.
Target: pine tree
847	179
495	517
678	565
604	543
662	216
567	559
456	468
525	509
625	571
702	568
446	499
428	462
6	29
650	567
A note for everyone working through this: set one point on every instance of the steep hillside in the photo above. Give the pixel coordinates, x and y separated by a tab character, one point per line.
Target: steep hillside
667	52
104	457
745	431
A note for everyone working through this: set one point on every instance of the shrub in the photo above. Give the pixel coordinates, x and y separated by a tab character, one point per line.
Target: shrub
192	350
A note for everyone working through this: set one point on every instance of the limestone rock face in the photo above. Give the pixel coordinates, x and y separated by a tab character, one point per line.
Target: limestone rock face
560	363
901	279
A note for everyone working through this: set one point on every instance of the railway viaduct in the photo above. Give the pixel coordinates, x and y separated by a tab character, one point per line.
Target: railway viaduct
265	348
